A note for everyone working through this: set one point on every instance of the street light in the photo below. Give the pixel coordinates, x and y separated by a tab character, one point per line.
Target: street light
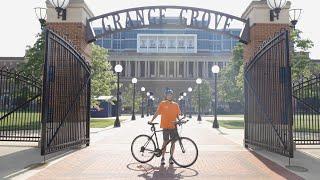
276	6
199	81
148	102
134	81
61	7
190	109
41	14
184	98
294	17
152	104
215	70
118	69
142	97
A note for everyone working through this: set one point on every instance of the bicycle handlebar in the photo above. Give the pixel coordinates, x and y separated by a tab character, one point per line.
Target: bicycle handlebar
152	123
180	122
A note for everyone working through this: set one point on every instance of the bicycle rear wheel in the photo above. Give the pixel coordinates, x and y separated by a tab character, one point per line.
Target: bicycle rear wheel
143	148
184	152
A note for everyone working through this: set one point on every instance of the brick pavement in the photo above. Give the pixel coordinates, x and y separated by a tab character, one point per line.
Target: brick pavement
109	157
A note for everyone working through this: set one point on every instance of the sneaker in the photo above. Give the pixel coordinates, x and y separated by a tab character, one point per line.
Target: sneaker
170	161
162	161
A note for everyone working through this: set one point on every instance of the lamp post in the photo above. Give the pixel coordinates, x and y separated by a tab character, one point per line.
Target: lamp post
61	8
190	109
215	70
199	81
41	14
134	81
294	17
276	6
148	103
152	105
118	69
184	103
142	97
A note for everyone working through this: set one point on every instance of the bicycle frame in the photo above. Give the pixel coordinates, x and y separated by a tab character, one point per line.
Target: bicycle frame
156	138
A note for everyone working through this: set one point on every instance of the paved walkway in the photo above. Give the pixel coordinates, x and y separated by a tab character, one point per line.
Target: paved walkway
109	157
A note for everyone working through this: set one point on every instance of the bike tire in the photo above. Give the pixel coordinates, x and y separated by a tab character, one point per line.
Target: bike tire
153	146
177	145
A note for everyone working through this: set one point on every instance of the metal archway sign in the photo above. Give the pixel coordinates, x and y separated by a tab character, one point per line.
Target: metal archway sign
161	17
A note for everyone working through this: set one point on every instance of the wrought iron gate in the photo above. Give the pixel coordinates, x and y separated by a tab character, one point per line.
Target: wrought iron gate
66	96
306	110
20	107
268	107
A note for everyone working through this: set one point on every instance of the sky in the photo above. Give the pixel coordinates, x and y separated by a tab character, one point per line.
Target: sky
19	25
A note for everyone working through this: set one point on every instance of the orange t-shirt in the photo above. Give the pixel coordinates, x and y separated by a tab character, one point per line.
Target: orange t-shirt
169	112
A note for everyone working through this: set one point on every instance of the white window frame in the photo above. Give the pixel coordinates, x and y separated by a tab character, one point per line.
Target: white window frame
167	37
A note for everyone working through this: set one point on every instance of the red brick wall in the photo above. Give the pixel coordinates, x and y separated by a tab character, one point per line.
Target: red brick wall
258	34
74	32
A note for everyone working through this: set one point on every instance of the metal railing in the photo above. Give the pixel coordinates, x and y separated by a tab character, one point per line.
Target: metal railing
267	80
20	106
306	110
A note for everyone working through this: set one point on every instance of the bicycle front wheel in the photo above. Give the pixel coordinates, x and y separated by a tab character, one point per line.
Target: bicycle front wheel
143	148
184	152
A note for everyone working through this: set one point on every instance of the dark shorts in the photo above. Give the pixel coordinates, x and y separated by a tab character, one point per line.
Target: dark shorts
169	134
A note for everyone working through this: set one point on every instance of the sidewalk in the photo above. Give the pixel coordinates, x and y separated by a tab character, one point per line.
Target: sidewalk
109	157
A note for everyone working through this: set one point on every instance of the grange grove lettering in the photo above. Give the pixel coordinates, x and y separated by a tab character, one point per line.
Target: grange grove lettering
160	16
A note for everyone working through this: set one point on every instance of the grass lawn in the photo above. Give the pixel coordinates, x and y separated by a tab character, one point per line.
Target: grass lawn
21	121
232	115
32	121
303	126
232	124
102	122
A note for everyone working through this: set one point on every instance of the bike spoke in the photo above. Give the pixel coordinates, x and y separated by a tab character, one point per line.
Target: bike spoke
142	148
185	152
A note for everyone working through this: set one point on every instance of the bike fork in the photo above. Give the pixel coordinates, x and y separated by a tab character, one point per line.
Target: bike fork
181	145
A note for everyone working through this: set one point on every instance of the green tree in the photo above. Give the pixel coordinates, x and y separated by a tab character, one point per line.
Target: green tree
230	87
102	78
127	96
302	65
35	58
205	96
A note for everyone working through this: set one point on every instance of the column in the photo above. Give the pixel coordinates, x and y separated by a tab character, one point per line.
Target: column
185	71
136	69
139	69
148	68
175	75
157	69
195	69
126	69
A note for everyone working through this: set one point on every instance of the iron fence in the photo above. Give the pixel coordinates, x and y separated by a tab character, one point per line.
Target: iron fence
268	112
66	96
20	106
306	110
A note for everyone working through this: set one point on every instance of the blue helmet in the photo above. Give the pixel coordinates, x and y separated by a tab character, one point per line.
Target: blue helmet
168	91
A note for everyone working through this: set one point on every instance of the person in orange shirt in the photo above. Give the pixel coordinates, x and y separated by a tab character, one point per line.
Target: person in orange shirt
169	111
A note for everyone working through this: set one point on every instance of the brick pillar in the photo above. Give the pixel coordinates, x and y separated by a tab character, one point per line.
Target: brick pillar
261	28
74	27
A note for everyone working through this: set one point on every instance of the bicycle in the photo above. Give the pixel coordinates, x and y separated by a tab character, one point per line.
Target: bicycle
182	148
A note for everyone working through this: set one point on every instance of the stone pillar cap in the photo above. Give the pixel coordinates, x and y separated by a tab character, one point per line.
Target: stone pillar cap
258	11
77	11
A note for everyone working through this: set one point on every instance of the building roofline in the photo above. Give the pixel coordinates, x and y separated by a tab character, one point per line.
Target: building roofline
12	58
